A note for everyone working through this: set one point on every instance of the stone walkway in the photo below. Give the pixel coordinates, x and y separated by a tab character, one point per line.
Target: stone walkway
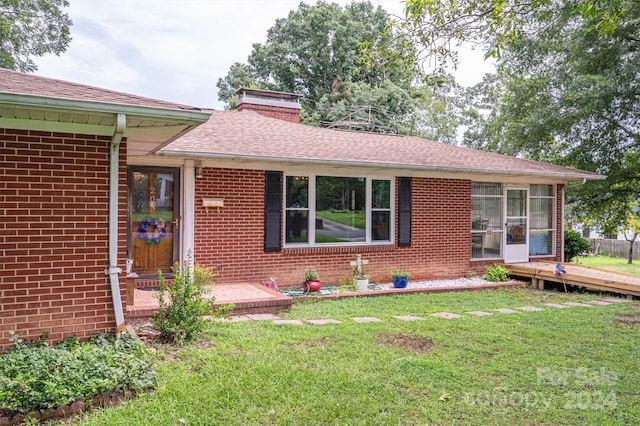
446	315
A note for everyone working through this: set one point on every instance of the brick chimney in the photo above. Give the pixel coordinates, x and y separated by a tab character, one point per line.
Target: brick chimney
280	105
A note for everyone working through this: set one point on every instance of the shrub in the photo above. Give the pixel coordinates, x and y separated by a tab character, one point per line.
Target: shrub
496	273
574	245
180	318
39	376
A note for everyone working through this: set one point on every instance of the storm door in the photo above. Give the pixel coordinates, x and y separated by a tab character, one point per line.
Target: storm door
153	218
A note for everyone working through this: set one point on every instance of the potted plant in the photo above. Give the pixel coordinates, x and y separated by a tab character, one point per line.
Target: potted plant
311	280
400	278
360	278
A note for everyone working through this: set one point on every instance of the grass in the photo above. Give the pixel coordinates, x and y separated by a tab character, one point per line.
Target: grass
606	262
557	366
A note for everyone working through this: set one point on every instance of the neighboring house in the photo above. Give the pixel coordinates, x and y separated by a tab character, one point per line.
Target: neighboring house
251	195
597	234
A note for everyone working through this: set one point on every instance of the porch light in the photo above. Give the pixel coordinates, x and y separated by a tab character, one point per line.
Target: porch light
199	169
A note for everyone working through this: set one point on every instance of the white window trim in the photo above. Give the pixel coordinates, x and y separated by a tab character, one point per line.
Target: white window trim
368	204
554	230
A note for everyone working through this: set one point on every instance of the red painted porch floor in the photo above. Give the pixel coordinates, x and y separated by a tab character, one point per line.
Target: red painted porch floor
250	298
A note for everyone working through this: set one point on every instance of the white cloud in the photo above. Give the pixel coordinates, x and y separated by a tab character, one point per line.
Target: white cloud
175	49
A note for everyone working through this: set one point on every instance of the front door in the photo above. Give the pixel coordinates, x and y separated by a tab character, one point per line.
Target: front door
153	218
516	226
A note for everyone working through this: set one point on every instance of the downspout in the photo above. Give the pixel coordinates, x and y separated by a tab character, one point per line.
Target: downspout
564	188
113	271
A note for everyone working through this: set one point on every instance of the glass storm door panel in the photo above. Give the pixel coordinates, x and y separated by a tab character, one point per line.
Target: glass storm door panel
516	226
152	219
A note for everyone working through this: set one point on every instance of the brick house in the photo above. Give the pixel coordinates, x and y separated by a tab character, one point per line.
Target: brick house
92	177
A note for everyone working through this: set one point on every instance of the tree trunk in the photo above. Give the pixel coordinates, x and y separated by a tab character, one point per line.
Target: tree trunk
631	242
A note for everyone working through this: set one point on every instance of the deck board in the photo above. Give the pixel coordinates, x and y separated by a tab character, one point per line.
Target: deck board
578	275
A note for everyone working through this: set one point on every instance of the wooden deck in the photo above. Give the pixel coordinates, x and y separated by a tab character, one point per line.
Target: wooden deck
579	276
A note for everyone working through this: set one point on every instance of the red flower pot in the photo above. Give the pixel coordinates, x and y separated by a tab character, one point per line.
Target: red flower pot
311	286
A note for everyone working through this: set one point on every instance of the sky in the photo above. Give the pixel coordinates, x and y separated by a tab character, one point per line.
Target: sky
176	50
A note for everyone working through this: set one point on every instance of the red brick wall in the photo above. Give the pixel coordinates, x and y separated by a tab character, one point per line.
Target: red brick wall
54	197
559	222
233	234
281	113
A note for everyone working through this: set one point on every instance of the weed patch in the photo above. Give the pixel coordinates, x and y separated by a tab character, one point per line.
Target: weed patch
407	342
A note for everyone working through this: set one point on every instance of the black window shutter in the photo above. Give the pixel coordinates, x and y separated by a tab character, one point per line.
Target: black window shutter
272	211
404	211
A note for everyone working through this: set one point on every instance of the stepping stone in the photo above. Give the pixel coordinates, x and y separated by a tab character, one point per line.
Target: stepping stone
366	319
616	300
530	309
507	311
479	313
283	322
446	315
556	305
324	321
262	317
600	303
584	305
408	318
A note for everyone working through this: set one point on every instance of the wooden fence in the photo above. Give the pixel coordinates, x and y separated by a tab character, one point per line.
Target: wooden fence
617	248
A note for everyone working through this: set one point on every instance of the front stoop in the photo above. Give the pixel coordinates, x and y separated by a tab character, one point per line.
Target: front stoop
248	298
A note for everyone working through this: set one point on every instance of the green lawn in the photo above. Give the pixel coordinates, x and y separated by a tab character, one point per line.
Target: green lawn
614	263
558	366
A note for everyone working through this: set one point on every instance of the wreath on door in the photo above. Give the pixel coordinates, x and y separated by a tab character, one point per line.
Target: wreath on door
152	230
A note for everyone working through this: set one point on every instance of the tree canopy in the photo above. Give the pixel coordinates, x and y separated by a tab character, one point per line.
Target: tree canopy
31	28
323	52
568	94
440	26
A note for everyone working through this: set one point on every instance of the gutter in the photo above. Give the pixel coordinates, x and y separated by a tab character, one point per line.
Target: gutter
375	165
113	271
168	112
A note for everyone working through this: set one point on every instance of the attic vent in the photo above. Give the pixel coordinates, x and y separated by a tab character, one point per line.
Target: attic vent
280	105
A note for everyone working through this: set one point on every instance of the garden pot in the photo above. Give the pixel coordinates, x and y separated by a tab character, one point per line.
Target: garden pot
362	284
400	282
311	286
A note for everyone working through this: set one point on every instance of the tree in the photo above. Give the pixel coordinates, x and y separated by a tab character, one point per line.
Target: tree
631	234
32	28
239	75
569	95
440	26
316	48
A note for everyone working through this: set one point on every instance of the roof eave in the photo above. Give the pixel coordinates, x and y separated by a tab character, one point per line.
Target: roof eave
34	101
565	177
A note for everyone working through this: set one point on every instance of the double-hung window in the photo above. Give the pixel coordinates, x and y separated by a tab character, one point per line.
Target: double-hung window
322	209
542	223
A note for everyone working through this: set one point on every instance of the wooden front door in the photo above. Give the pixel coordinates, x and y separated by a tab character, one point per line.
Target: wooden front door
153	218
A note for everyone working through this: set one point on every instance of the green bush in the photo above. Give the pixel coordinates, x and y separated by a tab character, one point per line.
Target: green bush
180	318
574	245
39	376
496	273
